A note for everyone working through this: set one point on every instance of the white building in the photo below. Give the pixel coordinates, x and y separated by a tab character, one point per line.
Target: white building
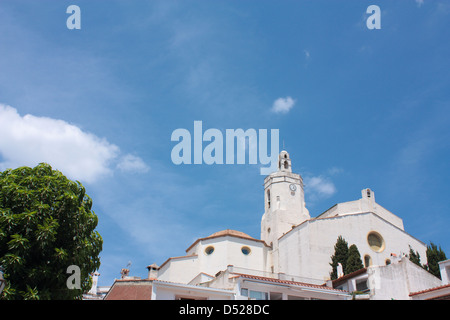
396	281
292	258
291	241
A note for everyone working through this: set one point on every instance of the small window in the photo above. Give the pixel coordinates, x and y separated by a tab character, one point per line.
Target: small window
254	295
258	295
388	262
209	250
246	250
362	286
367	261
286	165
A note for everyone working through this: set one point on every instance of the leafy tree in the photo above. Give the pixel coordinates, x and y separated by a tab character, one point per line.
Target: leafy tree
434	255
354	261
414	256
340	256
46	225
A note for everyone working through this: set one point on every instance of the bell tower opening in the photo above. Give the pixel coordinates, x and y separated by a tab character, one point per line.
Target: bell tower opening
284	162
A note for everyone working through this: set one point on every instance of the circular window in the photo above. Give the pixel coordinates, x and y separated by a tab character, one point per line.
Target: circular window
375	241
209	250
246	250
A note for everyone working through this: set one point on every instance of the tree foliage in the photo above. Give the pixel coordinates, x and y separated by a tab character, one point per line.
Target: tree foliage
414	257
434	255
349	258
340	256
354	261
46	225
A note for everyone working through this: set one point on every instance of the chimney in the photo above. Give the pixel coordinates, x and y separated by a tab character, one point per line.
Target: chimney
93	289
153	271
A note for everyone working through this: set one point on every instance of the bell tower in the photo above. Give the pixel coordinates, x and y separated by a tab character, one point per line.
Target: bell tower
284	202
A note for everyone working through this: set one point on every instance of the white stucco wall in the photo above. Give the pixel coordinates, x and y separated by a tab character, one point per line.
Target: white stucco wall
365	204
306	250
173	291
227	251
179	269
398	280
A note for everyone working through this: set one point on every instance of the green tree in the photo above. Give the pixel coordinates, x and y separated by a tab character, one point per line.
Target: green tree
46	225
434	255
340	256
414	256
354	261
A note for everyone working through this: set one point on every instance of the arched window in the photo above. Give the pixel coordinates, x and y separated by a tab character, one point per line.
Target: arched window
286	165
367	261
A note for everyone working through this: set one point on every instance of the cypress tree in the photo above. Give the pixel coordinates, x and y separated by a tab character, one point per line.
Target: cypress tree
434	255
354	261
340	255
414	257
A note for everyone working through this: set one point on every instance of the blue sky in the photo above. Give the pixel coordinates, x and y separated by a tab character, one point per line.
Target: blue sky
362	109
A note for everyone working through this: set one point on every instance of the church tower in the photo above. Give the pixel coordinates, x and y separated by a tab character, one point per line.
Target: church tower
284	202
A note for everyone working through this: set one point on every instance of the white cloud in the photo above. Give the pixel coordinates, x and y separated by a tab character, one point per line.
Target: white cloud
307	54
419	2
334	171
132	163
320	186
29	140
283	105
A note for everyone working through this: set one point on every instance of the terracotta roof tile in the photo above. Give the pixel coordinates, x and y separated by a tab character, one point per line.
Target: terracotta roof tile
429	290
130	290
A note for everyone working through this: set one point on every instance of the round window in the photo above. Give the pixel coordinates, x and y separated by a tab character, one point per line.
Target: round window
375	241
209	250
246	250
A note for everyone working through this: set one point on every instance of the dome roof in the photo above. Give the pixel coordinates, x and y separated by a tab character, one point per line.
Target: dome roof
229	232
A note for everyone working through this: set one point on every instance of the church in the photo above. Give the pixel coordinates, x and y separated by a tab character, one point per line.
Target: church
293	243
294	251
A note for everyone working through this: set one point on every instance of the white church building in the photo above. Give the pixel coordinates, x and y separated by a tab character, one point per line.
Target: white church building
293	243
294	250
